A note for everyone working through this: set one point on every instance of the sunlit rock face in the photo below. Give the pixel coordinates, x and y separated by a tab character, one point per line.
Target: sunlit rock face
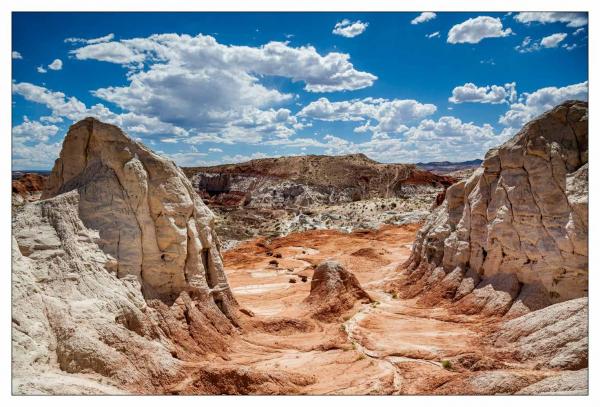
117	276
148	216
518	225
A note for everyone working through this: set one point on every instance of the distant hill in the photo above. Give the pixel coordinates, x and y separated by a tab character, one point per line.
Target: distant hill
443	167
310	179
16	174
324	170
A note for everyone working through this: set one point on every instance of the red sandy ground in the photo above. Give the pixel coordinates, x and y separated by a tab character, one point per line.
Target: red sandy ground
391	346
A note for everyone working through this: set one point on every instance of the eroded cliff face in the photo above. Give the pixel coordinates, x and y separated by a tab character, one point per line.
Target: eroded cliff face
514	235
303	181
117	273
149	218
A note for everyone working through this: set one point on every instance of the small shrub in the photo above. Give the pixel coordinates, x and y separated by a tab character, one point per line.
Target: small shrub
446	364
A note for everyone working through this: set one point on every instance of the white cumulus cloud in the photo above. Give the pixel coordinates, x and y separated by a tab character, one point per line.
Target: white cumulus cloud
433	35
320	73
33	131
56	65
473	30
38	156
553	40
423	17
533	104
215	91
349	29
16	55
494	94
106	38
73	109
545	17
390	115
447	138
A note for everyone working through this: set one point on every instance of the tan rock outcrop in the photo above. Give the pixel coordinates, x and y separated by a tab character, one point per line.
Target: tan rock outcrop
567	383
334	290
513	237
117	277
148	217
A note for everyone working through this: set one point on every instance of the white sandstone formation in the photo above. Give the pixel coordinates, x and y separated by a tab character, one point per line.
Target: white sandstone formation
149	219
554	337
117	275
513	237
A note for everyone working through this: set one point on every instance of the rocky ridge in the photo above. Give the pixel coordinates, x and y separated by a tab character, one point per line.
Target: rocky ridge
277	196
307	180
517	226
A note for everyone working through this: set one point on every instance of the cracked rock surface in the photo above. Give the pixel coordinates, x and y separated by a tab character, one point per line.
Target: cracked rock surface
117	275
149	219
512	238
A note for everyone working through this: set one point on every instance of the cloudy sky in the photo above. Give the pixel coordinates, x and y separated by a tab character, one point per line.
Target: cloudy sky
208	88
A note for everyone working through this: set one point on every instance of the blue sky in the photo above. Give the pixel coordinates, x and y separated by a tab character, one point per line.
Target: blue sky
207	88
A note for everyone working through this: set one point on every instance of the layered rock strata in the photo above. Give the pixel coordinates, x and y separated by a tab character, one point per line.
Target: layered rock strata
513	237
118	281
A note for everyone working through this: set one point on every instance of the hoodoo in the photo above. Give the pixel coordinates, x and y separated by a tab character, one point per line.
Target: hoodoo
513	237
117	272
148	217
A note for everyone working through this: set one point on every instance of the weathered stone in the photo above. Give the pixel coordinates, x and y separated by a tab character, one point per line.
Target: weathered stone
147	214
554	336
116	272
523	213
334	290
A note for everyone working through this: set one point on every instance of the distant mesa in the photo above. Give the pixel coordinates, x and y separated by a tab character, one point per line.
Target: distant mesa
27	184
303	181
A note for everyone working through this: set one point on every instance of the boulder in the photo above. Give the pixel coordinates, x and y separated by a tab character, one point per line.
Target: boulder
148	217
334	290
